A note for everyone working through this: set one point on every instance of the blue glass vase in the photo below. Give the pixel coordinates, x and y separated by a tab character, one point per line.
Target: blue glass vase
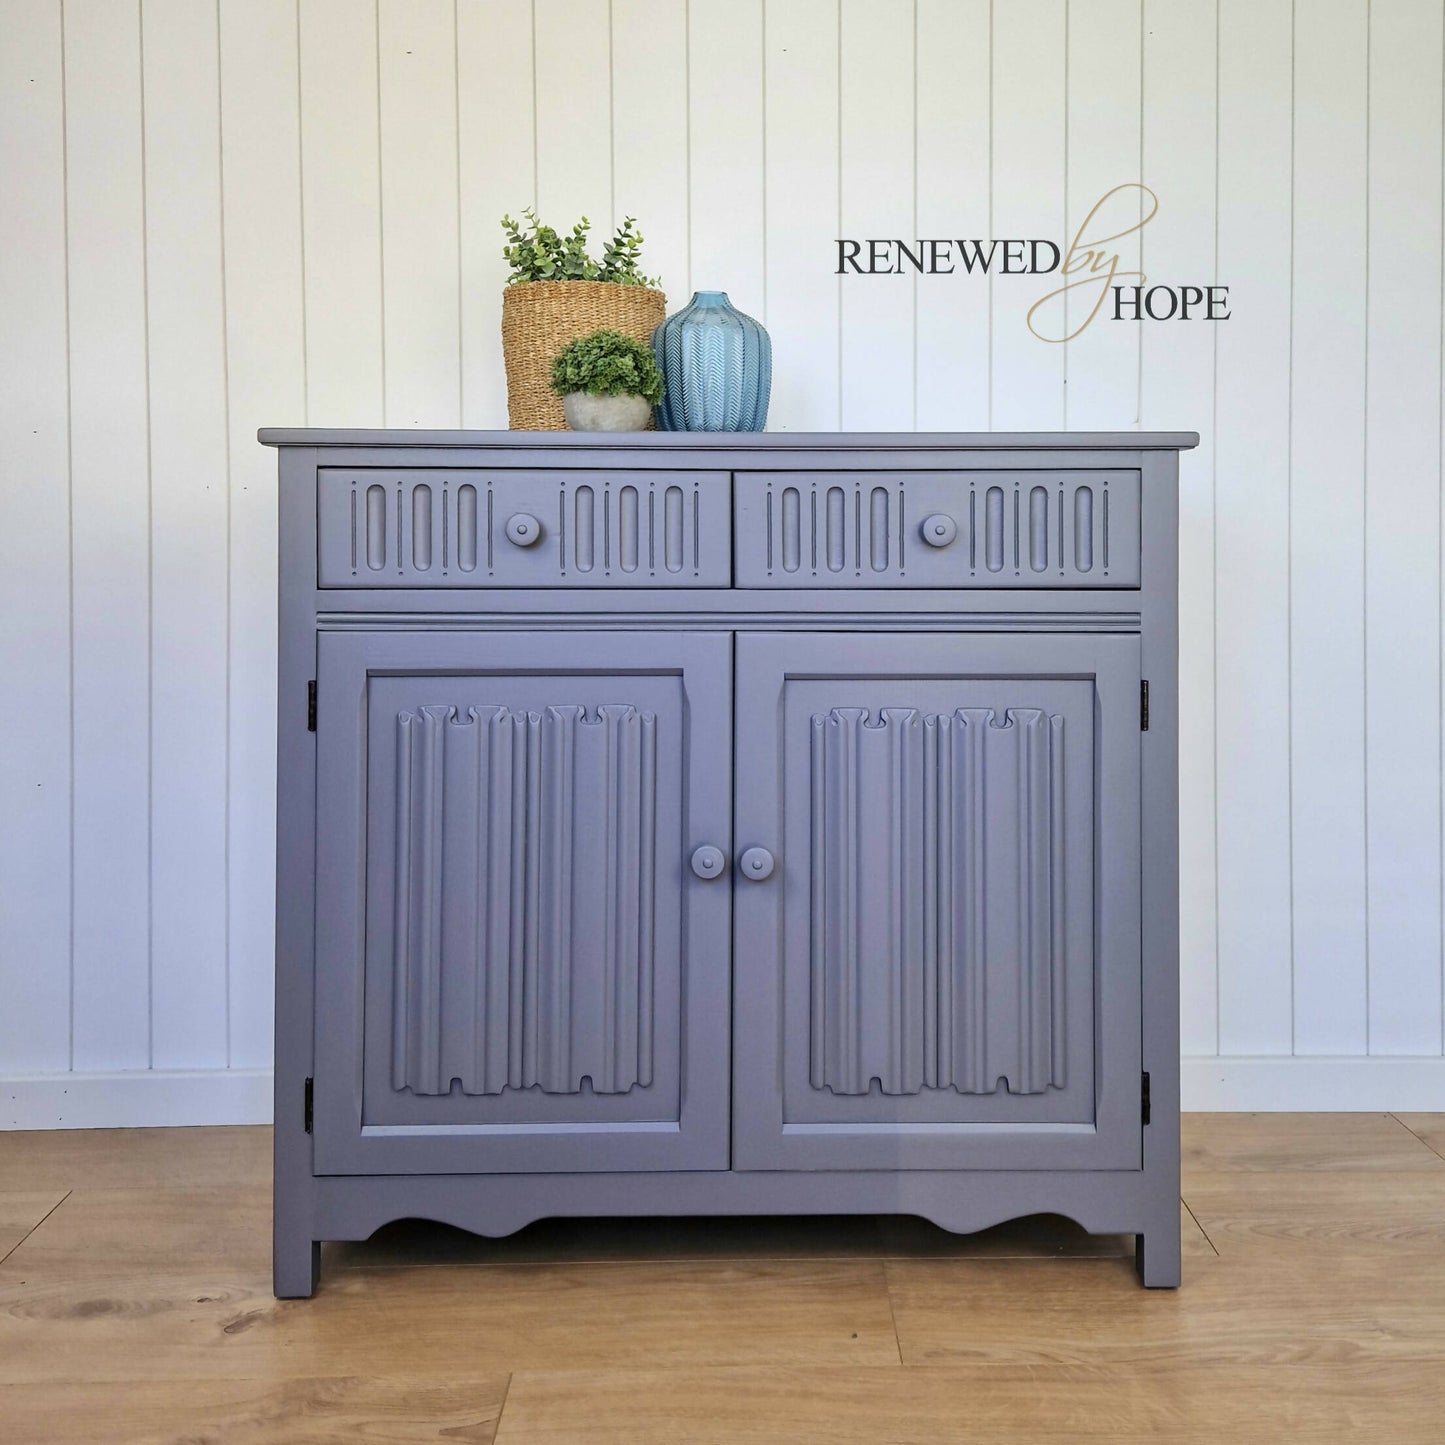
718	366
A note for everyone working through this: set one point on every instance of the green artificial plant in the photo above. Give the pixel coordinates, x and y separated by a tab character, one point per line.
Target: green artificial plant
607	363
536	252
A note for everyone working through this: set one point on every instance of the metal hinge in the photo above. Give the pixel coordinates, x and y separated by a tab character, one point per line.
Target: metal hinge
1143	706
311	706
1143	1098
311	1102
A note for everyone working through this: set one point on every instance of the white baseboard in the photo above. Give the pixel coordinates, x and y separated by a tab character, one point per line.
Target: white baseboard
142	1098
158	1098
1313	1085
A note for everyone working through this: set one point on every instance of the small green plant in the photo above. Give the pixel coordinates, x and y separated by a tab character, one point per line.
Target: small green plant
621	255
607	363
536	252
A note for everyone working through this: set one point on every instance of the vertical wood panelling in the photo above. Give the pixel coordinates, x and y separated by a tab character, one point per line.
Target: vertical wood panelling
1101	386
189	562
802	212
952	99
341	205
877	189
1252	528
110	535
1326	547
574	106
35	777
1402	529
265	372
496	160
725	140
223	215
1177	392
1027	201
421	298
649	134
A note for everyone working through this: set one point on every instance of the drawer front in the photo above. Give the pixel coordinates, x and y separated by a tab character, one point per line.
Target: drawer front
462	527
937	529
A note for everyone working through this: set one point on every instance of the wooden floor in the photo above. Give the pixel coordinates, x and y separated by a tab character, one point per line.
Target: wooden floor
135	1306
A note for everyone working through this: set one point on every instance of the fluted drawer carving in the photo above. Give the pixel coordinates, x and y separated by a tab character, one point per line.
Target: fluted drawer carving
1077	529
447	527
937	901
524	899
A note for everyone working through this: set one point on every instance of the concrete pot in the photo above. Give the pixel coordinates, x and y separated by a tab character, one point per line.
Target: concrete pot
585	412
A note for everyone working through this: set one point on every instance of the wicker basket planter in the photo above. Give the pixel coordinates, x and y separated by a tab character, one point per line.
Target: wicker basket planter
540	317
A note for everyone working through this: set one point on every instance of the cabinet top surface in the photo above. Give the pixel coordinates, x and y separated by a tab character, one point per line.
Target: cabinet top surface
704	442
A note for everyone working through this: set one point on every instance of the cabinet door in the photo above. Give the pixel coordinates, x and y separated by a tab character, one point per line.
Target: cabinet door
517	969
942	968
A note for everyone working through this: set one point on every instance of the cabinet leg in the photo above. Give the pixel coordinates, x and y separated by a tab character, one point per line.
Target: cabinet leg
296	1267
1158	1261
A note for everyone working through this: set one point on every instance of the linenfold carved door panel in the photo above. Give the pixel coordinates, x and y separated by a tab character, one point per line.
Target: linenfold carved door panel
526	974
515	965
942	970
939	840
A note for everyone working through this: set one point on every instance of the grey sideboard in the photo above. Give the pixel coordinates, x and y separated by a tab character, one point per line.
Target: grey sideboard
726	824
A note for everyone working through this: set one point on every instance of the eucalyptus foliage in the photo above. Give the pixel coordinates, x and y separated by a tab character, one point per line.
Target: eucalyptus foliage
536	252
607	363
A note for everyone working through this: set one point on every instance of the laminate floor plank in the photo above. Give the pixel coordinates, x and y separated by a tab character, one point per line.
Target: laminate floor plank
135	1158
995	1404
1429	1129
339	1411
102	1234
1274	1142
431	1322
1363	1211
1282	1309
20	1214
1194	1243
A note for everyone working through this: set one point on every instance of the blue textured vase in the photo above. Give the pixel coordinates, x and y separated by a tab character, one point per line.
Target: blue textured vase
718	366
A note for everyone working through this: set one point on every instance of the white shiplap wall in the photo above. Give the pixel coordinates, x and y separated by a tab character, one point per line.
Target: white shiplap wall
215	216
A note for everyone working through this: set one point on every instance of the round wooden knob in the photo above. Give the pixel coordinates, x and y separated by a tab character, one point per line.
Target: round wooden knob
707	861
757	864
524	529
938	530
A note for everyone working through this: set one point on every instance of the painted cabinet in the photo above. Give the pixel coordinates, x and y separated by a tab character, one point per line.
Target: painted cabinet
690	824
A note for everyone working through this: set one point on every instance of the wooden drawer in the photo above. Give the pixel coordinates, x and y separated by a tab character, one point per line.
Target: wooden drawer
1011	529
514	527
